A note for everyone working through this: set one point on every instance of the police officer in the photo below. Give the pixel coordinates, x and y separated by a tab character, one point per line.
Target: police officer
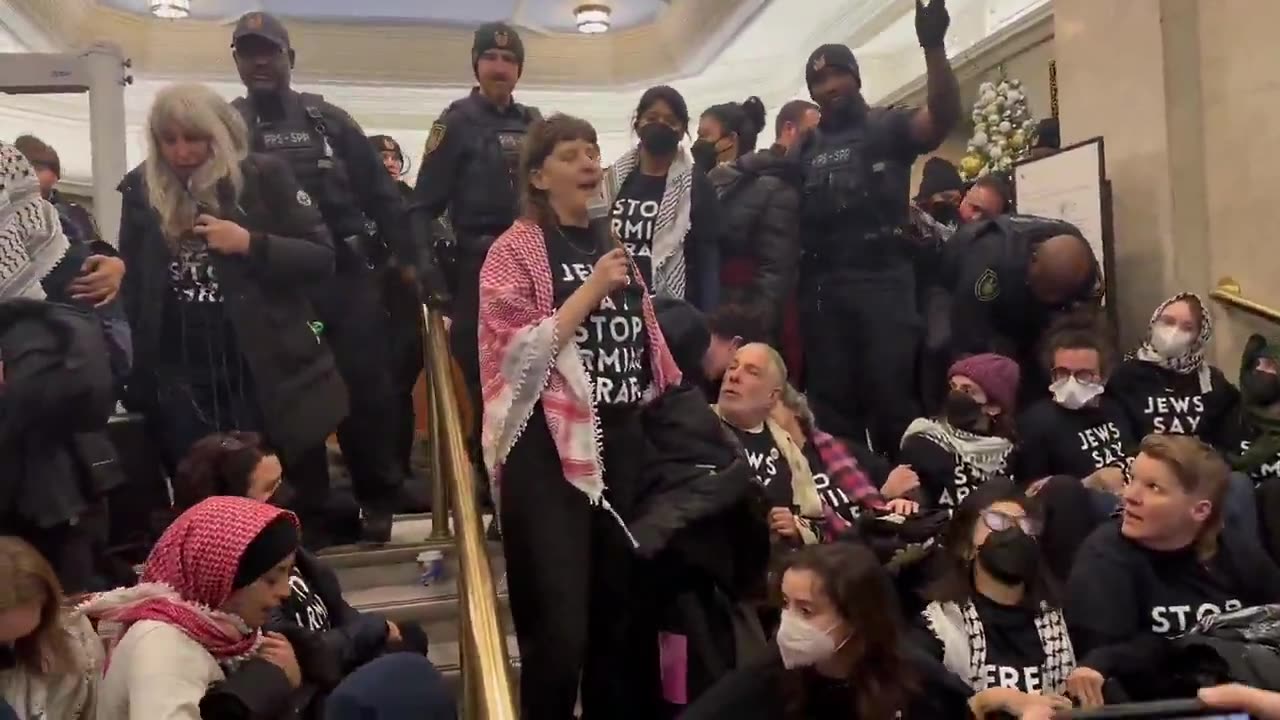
468	168
337	166
860	320
403	302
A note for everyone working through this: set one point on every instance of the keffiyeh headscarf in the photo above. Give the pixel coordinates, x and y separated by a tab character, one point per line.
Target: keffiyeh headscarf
674	217
1191	361
190	573
31	239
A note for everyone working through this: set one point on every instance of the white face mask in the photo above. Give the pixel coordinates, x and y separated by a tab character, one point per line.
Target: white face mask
1072	394
803	644
1170	341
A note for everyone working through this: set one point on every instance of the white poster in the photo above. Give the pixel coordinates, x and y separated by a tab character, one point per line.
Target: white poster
1066	186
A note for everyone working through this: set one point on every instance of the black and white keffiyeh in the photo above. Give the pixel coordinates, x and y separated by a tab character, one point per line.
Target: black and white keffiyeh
31	239
964	643
1192	361
673	217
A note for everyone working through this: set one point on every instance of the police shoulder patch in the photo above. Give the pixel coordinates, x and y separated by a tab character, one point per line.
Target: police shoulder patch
434	138
304	199
988	286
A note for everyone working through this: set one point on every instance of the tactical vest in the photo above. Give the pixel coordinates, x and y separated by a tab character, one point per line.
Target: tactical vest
302	138
855	194
486	198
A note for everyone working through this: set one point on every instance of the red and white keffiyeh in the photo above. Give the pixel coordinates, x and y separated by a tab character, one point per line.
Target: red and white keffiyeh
188	575
519	365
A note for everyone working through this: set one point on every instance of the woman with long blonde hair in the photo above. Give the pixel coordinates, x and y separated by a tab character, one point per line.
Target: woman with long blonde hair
221	245
50	658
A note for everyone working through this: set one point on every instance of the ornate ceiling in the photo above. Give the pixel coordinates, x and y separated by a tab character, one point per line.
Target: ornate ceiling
393	42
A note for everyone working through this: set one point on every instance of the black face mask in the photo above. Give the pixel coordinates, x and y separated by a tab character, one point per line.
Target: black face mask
704	154
1011	556
945	213
962	411
658	139
1261	388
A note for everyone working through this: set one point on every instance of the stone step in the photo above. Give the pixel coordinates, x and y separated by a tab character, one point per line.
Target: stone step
434	607
445	656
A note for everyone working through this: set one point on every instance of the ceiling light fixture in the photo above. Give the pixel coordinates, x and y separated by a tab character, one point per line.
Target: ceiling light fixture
593	18
171	9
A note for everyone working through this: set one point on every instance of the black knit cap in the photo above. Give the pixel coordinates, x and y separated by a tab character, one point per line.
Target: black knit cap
938	176
277	539
496	36
831	55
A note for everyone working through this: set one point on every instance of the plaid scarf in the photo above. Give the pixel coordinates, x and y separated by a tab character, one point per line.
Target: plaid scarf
188	576
31	239
964	642
846	474
669	277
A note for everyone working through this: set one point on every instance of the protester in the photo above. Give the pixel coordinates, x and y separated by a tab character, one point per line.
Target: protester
727	132
1081	429
50	660
840	652
1251	438
994	621
552	280
940	192
221	246
973	441
1166	386
662	209
845	489
751	390
1162	567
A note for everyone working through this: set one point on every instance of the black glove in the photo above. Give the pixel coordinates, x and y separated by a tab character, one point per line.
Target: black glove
932	23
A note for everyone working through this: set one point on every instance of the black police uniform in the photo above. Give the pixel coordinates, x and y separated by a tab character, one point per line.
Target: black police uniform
470	168
334	162
859	315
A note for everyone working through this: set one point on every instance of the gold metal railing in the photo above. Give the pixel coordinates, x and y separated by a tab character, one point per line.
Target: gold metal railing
1228	292
487	692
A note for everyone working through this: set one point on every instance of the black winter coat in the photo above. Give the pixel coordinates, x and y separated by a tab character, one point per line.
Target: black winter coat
759	230
299	392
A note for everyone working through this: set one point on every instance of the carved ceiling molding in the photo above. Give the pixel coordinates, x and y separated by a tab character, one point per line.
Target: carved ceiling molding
686	37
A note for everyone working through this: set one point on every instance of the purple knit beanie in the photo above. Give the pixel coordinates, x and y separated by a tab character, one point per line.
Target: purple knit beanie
997	375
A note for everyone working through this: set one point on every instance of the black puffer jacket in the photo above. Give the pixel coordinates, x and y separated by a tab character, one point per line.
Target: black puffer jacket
759	230
299	392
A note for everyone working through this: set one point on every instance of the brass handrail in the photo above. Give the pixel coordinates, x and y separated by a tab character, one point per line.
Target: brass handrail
1228	291
482	644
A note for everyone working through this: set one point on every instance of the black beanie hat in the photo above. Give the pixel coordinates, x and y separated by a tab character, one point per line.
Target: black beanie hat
277	539
938	176
496	36
831	55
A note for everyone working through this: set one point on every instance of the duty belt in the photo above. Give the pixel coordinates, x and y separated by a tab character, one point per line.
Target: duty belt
366	248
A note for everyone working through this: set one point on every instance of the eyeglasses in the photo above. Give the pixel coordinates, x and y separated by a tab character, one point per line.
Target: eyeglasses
997	521
1085	376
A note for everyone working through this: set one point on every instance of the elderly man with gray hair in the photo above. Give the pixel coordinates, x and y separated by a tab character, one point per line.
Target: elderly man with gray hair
751	389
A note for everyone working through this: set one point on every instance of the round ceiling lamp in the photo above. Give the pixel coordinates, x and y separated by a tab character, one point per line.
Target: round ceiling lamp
593	18
171	9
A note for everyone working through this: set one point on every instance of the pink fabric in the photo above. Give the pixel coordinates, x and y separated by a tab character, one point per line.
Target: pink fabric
673	655
197	557
516	293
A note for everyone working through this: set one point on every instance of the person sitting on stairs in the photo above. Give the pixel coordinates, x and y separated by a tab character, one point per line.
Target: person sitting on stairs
237	464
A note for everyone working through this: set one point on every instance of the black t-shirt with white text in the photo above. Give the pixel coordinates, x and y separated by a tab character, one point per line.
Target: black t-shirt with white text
770	466
304	606
947	477
1162	401
832	495
194	313
1238	437
1015	654
613	341
1054	440
634	218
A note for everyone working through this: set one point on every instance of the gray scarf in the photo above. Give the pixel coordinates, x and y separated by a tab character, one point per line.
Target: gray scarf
31	239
